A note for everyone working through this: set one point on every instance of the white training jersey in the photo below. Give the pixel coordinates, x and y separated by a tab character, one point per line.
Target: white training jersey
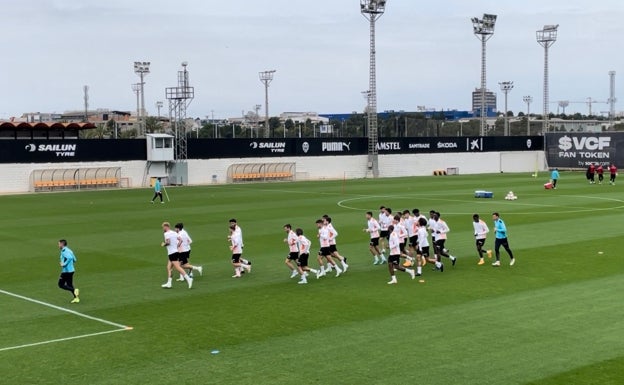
292	241
373	228
171	241
304	245
185	240
384	221
332	234
422	237
432	225
237	243
401	231
480	229
323	235
394	244
441	229
239	233
411	225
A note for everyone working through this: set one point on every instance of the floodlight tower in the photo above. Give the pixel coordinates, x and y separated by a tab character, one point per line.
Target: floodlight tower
142	69
546	37
483	29
528	100
179	98
85	89
266	77
372	11
506	87
159	105
136	88
612	98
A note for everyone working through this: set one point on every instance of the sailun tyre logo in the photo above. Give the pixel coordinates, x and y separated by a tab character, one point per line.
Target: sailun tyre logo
253	144
59	150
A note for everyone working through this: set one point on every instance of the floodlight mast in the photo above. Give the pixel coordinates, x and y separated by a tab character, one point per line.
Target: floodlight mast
142	69
612	98
179	98
506	87
266	77
546	37
528	100
136	88
483	29
372	10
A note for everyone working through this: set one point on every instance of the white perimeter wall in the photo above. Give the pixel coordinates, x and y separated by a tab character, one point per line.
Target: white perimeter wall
16	177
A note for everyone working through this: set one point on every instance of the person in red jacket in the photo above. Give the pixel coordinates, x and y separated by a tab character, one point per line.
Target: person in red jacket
613	172
591	170
600	172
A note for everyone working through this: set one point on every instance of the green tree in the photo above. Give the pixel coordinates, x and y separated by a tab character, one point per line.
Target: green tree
153	125
130	133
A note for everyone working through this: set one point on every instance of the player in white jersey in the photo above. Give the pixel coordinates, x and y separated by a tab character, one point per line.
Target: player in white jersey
441	231
372	227
332	244
325	251
385	220
236	246
293	250
401	230
304	254
239	232
171	243
394	245
411	225
481	230
423	247
184	251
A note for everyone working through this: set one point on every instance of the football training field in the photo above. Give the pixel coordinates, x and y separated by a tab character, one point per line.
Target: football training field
555	317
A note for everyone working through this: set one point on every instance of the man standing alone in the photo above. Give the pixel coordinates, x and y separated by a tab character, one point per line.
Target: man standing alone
500	231
554	177
157	191
66	280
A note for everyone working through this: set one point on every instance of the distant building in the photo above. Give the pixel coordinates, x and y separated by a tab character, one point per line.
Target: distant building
302	117
490	103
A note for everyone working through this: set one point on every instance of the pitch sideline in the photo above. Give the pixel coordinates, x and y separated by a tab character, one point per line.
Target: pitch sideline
119	327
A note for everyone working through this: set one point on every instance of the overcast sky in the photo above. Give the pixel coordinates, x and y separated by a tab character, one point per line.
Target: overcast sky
427	54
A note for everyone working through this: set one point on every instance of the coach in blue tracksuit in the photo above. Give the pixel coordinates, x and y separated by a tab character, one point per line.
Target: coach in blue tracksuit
554	176
157	191
66	280
500	232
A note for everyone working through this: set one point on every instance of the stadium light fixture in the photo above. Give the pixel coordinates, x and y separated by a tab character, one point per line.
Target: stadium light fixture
483	29
142	68
546	37
266	77
528	100
372	10
506	87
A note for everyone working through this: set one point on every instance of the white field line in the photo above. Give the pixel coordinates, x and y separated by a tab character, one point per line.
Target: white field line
63	309
119	327
60	340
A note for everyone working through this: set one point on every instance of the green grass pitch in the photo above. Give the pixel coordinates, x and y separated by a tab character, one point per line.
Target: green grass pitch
553	318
